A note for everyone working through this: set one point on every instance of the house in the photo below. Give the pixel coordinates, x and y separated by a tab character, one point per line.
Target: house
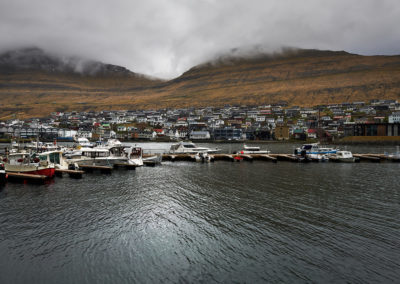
394	117
312	133
228	133
159	132
299	134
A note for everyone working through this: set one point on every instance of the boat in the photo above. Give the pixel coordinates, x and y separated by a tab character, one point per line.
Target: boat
104	156
394	156
83	142
203	157
3	175
189	148
59	160
22	162
253	150
113	143
318	157
135	156
343	156
314	152
314	148
38	146
152	160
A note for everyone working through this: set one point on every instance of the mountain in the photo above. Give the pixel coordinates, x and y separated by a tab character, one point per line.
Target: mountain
31	81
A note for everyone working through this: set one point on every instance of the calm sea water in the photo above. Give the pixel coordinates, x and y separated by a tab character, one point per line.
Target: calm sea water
219	222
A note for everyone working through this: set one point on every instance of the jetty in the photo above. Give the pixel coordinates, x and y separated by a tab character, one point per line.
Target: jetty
91	168
125	166
21	177
373	158
71	173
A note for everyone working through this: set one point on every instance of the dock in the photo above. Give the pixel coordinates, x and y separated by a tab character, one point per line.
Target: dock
125	166
26	177
71	173
91	168
372	158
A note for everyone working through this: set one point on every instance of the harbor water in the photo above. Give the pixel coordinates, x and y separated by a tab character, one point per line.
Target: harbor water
221	222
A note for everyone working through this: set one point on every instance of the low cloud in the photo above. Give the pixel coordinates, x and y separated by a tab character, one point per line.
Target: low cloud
165	38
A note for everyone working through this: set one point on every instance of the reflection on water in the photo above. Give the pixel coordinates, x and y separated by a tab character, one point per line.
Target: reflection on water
222	222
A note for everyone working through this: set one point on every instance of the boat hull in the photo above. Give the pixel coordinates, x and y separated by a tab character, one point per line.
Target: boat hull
263	152
3	177
32	170
108	162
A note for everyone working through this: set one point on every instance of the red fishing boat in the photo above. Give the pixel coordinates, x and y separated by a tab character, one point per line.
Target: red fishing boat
25	164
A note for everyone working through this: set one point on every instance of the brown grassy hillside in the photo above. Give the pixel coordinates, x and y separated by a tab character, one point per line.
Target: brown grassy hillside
302	77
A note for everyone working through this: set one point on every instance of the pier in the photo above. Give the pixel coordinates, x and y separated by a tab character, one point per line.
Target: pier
71	173
125	166
91	168
20	177
373	158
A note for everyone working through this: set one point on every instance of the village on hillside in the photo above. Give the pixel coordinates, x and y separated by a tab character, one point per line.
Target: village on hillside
229	123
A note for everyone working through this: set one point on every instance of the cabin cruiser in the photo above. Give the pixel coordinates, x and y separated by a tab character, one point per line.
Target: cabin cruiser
23	162
253	150
314	152
103	156
189	148
314	148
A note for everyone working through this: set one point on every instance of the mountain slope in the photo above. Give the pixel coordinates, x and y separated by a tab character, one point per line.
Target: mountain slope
298	77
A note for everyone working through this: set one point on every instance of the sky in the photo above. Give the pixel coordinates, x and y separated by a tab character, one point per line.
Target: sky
164	38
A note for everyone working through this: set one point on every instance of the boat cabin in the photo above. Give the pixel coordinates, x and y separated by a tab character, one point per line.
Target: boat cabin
54	157
19	158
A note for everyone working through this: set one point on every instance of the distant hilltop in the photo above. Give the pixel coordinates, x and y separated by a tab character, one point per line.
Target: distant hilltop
35	59
32	80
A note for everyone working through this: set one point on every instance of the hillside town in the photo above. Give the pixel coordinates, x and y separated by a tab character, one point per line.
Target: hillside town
228	123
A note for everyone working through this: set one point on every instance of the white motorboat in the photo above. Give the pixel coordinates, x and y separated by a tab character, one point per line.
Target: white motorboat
152	160
203	157
253	150
103	156
395	155
113	143
314	148
189	148
318	157
314	152
344	156
83	142
134	156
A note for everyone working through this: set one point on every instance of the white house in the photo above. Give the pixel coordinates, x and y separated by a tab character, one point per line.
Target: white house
394	117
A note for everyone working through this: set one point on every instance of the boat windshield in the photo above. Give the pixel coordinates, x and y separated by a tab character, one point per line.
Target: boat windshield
53	157
189	146
307	147
95	154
